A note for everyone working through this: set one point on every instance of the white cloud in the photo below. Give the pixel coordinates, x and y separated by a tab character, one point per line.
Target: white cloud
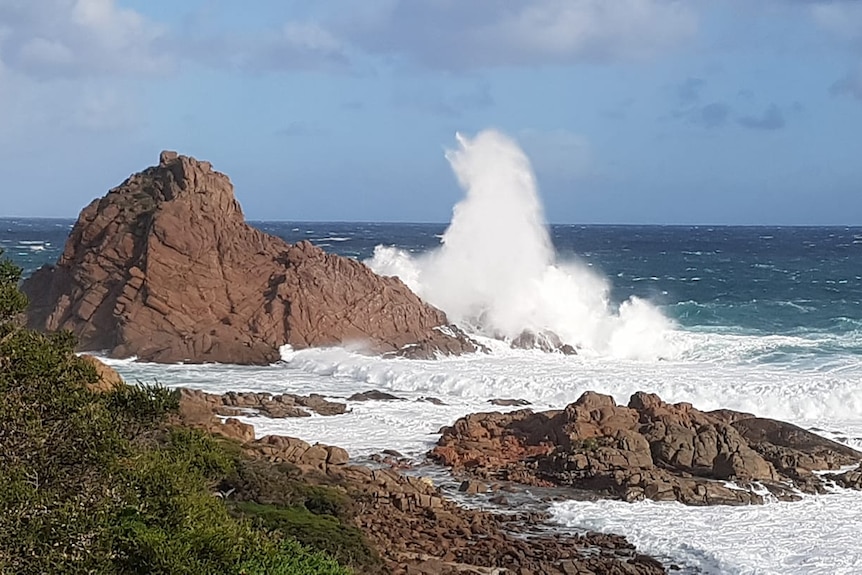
481	33
74	38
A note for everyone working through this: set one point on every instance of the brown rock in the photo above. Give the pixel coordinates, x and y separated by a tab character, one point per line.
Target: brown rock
546	341
508	402
235	429
336	456
373	395
650	449
253	404
165	268
107	377
788	446
851	479
472	487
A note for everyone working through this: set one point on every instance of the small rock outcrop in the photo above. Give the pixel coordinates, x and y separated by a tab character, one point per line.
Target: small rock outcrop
165	268
255	404
648	449
544	340
107	377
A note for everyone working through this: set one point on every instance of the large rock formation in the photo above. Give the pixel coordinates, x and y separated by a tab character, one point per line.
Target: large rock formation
649	449
165	268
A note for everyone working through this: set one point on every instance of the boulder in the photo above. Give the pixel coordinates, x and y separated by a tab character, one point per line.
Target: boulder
107	377
165	268
647	449
544	340
373	395
253	404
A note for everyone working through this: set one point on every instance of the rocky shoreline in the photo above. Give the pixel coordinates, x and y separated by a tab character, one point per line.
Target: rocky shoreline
591	449
648	449
413	525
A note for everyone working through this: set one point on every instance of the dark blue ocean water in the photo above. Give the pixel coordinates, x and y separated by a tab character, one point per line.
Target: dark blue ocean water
752	280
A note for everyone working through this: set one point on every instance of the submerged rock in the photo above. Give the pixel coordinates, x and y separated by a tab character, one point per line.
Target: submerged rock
374	395
648	449
165	268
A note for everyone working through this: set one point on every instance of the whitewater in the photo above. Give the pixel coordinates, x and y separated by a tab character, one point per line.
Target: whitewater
762	321
496	272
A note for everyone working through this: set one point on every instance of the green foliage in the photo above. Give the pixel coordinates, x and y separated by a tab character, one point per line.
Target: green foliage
12	301
588	444
145	403
318	516
100	483
287	558
319	531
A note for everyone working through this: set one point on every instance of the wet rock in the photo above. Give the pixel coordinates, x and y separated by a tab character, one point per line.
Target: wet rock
545	340
472	487
648	449
374	395
504	402
251	404
165	268
851	479
432	400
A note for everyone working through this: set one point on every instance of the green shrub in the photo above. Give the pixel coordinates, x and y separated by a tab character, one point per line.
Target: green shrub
343	541
100	483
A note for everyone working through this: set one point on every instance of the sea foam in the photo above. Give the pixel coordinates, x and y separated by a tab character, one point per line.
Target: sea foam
496	272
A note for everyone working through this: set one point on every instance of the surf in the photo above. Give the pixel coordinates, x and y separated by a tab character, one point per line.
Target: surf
496	273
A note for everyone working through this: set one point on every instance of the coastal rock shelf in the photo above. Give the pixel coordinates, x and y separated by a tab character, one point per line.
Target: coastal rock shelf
648	449
419	531
165	268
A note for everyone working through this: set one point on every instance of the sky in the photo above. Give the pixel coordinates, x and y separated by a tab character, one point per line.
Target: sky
631	111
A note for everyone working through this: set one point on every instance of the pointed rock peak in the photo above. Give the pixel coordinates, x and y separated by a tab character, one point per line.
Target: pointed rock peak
165	268
167	157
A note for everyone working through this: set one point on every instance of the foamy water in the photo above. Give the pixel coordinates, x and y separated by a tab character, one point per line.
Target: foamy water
496	275
812	536
496	272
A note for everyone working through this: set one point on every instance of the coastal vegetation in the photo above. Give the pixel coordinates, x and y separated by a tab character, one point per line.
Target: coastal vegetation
104	482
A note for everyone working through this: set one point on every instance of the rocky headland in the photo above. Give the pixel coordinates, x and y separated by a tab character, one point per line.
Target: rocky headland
165	268
648	449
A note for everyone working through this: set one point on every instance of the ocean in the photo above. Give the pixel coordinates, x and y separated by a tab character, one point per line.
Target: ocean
765	320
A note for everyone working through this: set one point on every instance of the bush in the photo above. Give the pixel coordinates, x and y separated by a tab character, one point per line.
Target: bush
99	483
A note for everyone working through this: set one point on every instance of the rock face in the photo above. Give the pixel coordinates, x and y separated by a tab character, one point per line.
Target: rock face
165	268
649	449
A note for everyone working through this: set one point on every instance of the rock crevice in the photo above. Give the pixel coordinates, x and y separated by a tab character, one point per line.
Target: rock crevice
165	268
648	449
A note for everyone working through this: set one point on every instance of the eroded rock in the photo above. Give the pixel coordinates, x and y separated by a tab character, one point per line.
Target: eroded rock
648	449
165	268
252	404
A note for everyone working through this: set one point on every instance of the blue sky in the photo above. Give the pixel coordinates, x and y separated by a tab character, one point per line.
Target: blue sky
632	111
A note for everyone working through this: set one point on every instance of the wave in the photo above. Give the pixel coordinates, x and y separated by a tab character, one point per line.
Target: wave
496	272
817	535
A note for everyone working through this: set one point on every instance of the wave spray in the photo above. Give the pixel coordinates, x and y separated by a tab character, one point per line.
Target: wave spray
496	273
